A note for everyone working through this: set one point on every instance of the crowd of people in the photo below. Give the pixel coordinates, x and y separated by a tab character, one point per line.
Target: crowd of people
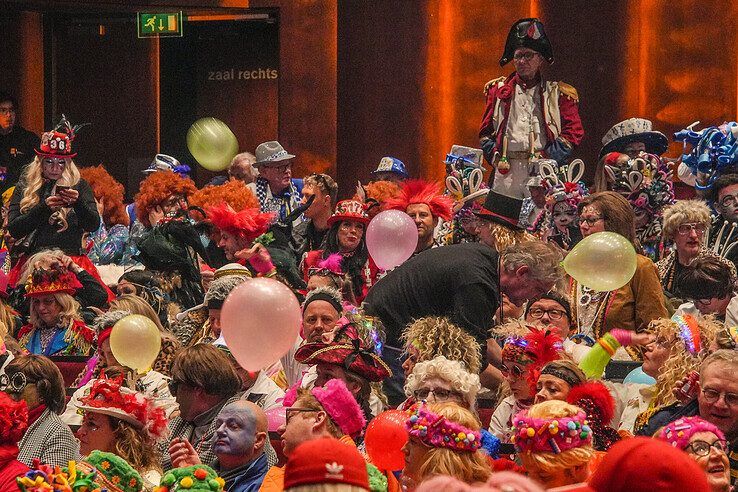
500	370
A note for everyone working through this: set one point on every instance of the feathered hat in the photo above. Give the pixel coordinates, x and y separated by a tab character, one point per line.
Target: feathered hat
58	142
533	350
248	224
595	399
110	397
418	191
52	281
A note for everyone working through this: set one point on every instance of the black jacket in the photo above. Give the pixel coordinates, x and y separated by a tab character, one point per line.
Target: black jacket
83	217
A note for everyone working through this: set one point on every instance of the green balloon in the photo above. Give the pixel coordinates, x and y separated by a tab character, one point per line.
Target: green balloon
212	143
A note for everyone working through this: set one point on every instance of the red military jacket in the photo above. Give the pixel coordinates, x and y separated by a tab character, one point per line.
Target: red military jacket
559	106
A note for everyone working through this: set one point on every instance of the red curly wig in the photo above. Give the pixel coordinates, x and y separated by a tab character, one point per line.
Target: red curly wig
108	191
13	419
157	188
234	192
416	191
247	224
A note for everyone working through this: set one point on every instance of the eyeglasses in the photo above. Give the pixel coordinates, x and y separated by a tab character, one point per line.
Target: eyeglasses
702	448
590	220
7	110
13	384
712	396
729	201
290	412
685	229
514	371
527	56
174	386
554	314
439	393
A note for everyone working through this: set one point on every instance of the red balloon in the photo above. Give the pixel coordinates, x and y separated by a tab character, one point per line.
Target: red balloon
384	439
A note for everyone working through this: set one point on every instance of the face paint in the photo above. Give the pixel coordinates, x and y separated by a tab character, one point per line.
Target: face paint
564	215
235	430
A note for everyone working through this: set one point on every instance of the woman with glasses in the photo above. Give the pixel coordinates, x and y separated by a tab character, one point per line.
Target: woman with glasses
685	226
705	444
52	207
37	381
709	282
635	304
441	380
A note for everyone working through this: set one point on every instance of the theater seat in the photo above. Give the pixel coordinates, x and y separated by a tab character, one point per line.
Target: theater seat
70	367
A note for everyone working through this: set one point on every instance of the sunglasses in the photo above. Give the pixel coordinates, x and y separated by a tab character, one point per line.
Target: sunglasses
13	384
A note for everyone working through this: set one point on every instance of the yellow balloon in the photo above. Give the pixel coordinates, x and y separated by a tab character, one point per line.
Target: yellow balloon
135	342
603	261
212	143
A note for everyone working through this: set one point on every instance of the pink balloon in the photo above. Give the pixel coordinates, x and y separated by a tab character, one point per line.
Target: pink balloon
391	238
276	417
260	320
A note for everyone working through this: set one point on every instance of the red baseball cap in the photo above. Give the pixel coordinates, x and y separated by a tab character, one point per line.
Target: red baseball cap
643	464
325	460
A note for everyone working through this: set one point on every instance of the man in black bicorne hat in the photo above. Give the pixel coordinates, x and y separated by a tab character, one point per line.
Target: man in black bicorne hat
527	117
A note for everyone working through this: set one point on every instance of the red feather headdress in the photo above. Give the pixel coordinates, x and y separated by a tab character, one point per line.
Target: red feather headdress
416	191
248	223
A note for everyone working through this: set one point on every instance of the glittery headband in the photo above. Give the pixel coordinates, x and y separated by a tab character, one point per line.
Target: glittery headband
438	432
563	373
689	332
555	435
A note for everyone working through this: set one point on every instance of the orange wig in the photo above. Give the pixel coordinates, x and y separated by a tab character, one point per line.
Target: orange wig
159	187
109	192
417	191
247	224
234	192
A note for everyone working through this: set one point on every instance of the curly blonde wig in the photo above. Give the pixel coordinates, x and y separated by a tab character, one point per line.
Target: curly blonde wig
234	192
70	311
549	462
109	192
433	336
467	467
680	362
684	212
159	187
451	371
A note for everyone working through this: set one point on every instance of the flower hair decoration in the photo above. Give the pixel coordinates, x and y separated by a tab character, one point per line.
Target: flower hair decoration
536	435
438	432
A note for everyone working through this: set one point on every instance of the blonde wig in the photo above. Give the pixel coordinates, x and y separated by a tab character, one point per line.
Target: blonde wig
684	212
33	180
549	462
70	311
433	336
469	467
680	362
138	305
451	371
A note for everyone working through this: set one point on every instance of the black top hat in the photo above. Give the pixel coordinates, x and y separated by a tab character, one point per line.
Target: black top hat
504	210
527	33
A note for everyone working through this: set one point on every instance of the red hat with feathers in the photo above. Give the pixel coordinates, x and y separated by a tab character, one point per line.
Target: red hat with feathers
416	191
534	350
248	223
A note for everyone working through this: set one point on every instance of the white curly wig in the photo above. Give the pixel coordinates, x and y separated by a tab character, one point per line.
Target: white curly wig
451	371
683	212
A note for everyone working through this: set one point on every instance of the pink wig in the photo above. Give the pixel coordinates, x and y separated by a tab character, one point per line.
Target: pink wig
417	191
679	432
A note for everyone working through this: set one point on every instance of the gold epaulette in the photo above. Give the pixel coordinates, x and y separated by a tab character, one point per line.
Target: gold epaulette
491	83
569	91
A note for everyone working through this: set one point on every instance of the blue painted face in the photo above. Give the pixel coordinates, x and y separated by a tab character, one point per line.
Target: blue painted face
235	430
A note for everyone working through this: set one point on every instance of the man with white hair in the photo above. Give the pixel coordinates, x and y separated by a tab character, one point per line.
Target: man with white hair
464	282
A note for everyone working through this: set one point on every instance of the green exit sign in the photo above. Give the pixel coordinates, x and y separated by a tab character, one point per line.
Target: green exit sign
154	25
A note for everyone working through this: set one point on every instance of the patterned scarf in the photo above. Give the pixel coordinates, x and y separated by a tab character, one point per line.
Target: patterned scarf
282	204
